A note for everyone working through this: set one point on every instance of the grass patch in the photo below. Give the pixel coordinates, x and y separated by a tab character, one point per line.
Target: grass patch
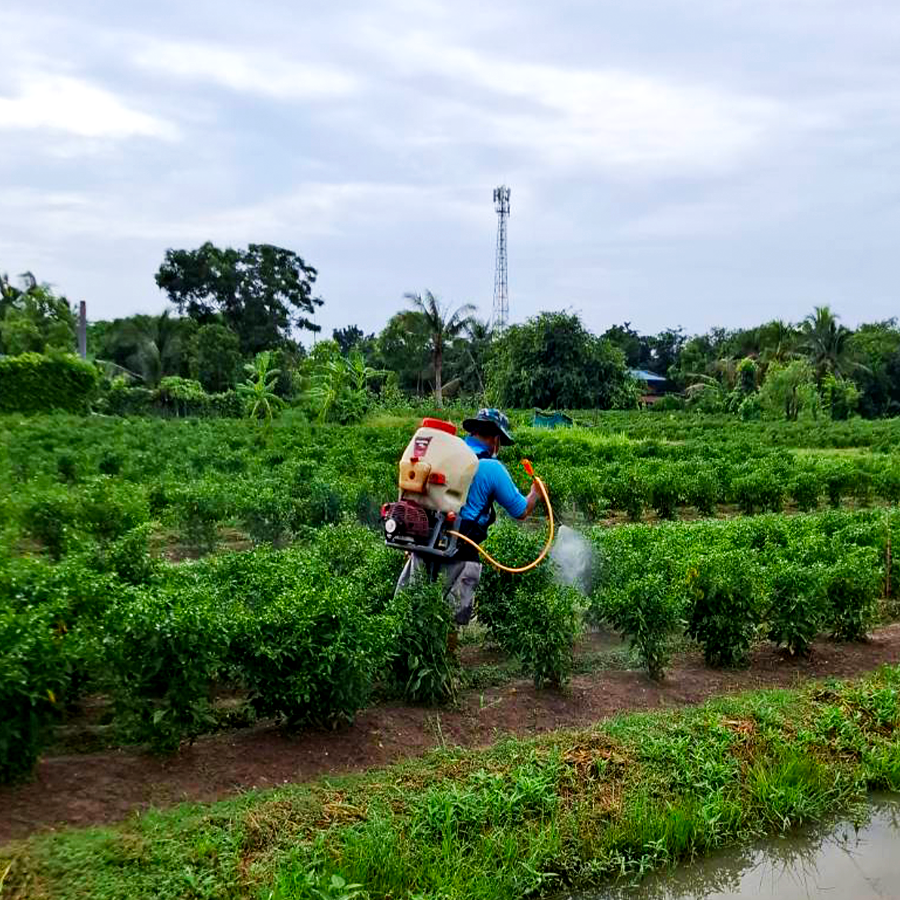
568	810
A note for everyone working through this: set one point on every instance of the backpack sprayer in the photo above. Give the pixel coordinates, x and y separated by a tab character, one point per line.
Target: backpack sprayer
436	471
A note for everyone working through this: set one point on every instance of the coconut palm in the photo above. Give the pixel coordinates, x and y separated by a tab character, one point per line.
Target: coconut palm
826	344
150	346
443	326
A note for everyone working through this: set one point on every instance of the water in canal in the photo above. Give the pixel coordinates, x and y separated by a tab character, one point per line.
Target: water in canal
838	862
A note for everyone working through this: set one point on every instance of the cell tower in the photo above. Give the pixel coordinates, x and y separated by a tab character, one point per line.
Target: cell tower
500	318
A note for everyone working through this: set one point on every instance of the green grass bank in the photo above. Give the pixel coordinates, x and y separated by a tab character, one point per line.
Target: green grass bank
571	809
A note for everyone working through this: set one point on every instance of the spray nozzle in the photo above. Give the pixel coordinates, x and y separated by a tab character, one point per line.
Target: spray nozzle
529	468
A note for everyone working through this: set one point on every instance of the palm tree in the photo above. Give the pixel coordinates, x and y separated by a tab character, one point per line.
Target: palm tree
826	344
148	345
443	326
778	341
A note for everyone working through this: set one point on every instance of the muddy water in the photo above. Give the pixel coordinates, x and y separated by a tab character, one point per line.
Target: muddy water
837	862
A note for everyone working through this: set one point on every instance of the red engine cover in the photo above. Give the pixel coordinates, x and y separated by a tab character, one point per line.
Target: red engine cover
410	518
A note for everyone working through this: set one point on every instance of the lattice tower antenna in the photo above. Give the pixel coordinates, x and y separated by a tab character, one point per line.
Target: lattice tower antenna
500	318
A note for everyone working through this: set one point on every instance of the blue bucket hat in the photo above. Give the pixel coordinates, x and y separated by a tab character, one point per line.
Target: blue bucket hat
493	417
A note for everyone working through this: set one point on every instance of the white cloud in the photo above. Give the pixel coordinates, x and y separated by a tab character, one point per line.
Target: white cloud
567	117
75	106
246	71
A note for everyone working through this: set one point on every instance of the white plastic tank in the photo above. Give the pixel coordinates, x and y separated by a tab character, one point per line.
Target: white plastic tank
437	467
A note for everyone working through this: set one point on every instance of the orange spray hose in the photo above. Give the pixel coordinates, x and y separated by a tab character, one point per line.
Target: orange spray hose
499	565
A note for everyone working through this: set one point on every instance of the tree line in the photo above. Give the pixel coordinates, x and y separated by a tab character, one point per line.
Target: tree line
228	306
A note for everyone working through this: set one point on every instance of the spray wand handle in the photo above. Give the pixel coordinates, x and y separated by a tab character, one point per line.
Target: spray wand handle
529	468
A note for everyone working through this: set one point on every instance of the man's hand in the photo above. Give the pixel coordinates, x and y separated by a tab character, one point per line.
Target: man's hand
533	496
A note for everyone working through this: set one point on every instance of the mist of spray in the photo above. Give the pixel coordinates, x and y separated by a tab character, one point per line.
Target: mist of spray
575	562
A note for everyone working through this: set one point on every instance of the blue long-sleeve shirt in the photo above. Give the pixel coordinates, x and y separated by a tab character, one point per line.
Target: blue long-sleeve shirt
491	483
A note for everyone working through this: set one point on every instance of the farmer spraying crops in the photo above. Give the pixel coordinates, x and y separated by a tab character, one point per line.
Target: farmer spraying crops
448	488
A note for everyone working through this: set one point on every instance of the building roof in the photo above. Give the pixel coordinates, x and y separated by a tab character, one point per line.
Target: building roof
644	375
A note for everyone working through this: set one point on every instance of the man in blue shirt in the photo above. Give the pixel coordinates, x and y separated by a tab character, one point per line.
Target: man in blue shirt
488	431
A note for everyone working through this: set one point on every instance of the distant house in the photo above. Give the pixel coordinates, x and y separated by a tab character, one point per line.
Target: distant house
655	386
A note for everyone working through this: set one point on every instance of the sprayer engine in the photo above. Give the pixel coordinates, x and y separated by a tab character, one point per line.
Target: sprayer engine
434	477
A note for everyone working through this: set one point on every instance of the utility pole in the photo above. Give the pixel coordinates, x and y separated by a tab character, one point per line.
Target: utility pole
500	317
82	329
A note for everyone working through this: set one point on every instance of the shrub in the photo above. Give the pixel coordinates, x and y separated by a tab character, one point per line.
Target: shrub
852	586
646	611
837	483
889	483
268	512
635	493
544	629
665	492
796	606
320	504
128	556
33	383
588	496
805	490
108	509
421	666
702	489
199	509
514	546
725	606
310	656
161	652
49	515
33	676
759	489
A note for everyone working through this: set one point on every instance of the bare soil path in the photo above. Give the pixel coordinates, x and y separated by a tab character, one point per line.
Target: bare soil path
94	788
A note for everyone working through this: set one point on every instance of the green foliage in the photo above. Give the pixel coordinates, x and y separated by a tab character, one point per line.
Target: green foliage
161	652
702	489
310	656
262	293
759	489
33	677
217	358
31	383
199	510
805	490
551	361
789	390
513	546
543	627
108	508
422	667
796	606
852	587
49	516
665	492
258	391
647	612
726	602
337	386
35	320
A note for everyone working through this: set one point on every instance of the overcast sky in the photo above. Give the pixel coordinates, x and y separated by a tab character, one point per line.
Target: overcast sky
672	162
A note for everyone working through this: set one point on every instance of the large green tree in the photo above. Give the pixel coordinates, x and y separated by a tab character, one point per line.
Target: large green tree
826	344
877	346
263	293
34	318
217	359
442	327
553	361
402	348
